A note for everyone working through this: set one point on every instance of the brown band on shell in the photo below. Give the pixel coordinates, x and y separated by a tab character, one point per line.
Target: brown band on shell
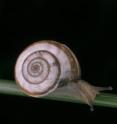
37	71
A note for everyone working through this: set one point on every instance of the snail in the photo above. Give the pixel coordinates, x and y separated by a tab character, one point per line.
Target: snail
47	65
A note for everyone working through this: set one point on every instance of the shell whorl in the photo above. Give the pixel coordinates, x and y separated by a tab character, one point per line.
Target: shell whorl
41	67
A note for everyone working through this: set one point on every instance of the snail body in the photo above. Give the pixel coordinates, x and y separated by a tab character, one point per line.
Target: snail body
47	65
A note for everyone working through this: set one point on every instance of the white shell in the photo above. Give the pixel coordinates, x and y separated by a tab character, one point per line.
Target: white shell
43	65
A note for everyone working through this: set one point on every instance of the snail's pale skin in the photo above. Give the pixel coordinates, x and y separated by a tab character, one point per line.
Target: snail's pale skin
86	92
46	65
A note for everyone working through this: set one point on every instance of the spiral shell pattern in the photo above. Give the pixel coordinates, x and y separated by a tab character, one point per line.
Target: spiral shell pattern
41	66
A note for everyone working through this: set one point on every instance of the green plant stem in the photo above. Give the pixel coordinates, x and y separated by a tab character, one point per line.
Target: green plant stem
104	99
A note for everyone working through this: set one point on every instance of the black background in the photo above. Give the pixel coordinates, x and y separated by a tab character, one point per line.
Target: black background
87	27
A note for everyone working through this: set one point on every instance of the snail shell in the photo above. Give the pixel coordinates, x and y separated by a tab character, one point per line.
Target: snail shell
42	66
